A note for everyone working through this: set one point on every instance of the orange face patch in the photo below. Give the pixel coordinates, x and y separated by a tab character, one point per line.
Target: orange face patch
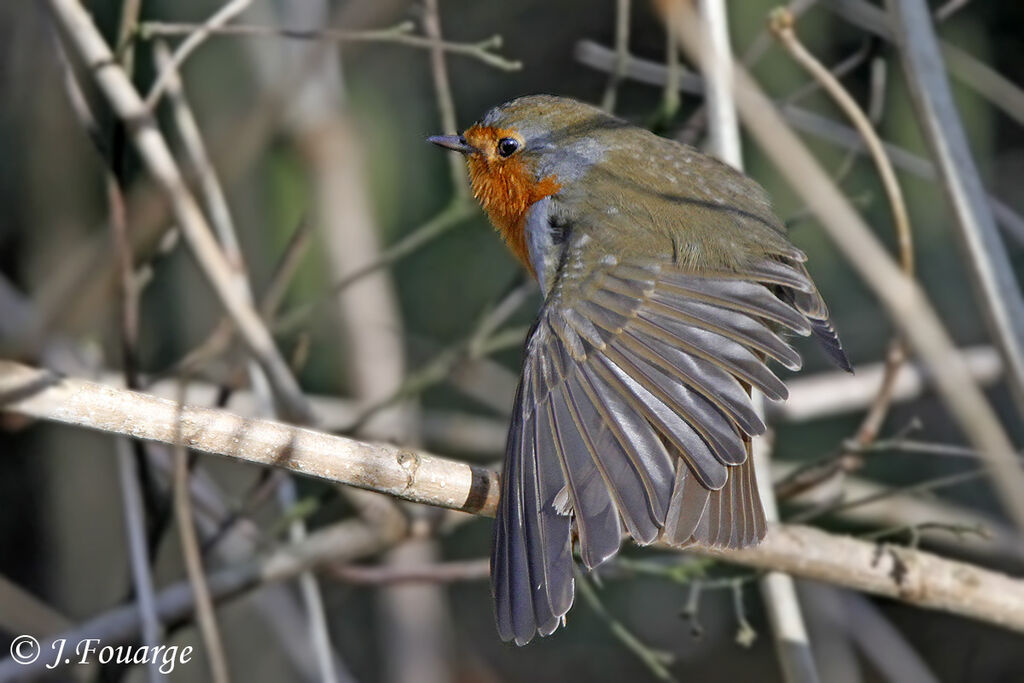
505	187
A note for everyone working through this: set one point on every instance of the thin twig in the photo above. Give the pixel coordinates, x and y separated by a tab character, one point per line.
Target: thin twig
157	157
449	217
611	90
654	661
995	285
220	217
193	561
443	94
950	8
347	540
135	530
195	148
781	24
398	35
194	39
382	575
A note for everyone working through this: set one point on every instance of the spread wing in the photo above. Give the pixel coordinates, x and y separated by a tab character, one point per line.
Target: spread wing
633	414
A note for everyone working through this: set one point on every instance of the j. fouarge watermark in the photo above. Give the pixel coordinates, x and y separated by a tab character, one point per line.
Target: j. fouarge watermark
25	649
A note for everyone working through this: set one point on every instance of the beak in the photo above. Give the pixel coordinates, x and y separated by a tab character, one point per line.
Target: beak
455	143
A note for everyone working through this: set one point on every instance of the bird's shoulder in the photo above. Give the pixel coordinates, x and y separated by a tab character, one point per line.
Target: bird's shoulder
647	193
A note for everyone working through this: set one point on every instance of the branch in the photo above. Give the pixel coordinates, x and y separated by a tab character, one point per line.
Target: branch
913	576
995	286
158	159
348	540
399	35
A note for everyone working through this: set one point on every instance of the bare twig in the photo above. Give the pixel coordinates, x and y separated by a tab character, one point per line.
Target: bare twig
194	39
399	35
923	579
656	662
194	562
348	540
135	530
995	285
448	218
716	66
950	8
224	225
443	91
611	90
441	572
191	137
782	27
781	23
157	157
972	72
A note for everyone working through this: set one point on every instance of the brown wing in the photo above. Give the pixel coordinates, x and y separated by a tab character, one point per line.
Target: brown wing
633	414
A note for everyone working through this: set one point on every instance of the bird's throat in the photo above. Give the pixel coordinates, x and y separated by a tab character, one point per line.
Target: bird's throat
506	190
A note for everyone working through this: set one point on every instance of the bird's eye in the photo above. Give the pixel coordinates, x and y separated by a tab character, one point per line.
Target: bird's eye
507	146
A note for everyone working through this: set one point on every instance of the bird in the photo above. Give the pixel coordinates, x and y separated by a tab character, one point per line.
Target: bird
668	285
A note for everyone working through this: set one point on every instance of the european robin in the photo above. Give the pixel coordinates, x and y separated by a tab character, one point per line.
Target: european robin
668	282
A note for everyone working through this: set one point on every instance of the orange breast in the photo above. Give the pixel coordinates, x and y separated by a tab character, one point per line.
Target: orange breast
505	188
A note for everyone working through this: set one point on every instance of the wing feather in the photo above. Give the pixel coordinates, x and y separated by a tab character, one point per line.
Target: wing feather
633	414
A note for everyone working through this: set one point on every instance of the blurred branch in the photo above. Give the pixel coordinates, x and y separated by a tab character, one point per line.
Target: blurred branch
157	156
193	40
348	540
443	94
995	286
453	214
972	72
439	572
913	576
950	8
194	562
477	344
656	661
611	90
835	392
716	67
399	35
781	24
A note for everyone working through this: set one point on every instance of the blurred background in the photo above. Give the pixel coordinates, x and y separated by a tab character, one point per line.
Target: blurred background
323	170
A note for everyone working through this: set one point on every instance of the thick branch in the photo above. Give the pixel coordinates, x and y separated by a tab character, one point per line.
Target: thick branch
913	576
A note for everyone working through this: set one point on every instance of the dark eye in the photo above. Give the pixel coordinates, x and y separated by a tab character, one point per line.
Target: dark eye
507	146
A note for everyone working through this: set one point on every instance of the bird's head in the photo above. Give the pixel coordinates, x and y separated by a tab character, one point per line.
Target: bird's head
525	150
